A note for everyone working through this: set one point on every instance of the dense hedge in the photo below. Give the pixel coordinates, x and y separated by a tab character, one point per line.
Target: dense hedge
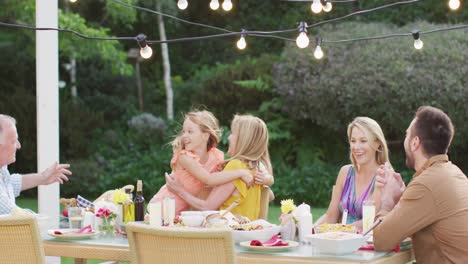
386	80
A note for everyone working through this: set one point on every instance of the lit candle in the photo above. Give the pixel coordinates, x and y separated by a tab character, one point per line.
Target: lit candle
155	213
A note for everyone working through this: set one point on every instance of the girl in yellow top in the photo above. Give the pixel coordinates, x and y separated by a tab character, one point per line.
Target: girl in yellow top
248	148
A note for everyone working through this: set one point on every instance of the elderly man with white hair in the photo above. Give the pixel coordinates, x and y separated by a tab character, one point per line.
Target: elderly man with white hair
12	184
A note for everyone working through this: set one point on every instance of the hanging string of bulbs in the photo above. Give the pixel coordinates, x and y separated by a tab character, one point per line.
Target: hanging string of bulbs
214	5
302	41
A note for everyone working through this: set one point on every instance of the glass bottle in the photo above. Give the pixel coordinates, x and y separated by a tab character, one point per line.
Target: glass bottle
128	208
139	202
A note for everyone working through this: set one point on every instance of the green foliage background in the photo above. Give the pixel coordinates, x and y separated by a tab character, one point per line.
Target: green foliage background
307	104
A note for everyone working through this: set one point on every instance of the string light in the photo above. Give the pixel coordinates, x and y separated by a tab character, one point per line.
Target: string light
182	4
145	50
316	6
328	6
229	33
227	5
318	53
454	4
214	4
302	41
241	44
418	44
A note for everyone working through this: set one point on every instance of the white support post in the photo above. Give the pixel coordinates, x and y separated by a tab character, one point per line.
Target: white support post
47	105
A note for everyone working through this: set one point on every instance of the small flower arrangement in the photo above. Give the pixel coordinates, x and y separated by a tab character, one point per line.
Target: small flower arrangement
108	219
105	214
119	196
287	219
287	207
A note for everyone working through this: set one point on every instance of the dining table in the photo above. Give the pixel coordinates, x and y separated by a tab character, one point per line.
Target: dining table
117	248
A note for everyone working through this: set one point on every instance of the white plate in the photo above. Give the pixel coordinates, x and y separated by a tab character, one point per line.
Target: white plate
69	235
291	244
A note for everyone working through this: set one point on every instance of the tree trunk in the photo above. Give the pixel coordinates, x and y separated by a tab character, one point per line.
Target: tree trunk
166	66
139	86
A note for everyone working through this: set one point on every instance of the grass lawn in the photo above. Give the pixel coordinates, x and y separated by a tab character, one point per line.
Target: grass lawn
273	215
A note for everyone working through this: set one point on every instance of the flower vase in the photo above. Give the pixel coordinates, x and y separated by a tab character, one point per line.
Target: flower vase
288	228
107	227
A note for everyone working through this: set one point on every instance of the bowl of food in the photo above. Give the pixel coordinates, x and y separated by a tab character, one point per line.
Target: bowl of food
325	228
337	243
255	230
193	220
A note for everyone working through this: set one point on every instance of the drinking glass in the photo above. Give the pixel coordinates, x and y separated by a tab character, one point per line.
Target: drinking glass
368	215
75	217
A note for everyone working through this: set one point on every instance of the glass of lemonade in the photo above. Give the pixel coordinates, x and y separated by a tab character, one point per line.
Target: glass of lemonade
75	217
368	215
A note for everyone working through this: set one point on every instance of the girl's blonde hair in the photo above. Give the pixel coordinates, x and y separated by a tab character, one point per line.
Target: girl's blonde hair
207	123
374	134
251	142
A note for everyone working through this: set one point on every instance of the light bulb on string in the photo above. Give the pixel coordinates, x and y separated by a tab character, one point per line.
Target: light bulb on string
145	50
328	6
302	41
418	44
182	4
72	1
241	43
318	53
316	6
227	5
454	4
214	4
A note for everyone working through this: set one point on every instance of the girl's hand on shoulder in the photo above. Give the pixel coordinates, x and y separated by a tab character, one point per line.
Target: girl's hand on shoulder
173	184
261	177
247	177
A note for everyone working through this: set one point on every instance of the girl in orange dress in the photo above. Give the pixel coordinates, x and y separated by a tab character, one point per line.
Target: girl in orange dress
196	159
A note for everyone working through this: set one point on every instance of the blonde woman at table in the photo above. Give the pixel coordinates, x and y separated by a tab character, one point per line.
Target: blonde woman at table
248	148
355	182
196	158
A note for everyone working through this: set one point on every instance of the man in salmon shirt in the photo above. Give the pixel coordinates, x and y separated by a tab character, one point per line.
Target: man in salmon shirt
433	209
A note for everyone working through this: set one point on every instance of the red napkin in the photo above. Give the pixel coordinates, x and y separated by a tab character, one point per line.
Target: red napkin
274	241
85	230
371	247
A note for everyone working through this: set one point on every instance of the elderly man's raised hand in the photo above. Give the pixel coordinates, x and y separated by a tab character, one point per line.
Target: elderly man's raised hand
56	173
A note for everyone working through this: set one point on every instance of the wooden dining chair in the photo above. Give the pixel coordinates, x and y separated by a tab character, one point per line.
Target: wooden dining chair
20	240
264	203
167	245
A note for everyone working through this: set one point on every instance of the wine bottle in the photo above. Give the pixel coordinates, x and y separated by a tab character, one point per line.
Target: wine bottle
128	208
139	202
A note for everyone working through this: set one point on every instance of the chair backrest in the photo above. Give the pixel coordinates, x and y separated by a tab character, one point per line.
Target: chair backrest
179	245
20	241
264	203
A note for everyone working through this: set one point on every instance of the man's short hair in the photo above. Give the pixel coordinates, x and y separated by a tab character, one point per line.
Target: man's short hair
4	119
434	128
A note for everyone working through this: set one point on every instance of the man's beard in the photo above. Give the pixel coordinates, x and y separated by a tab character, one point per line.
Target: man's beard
409	159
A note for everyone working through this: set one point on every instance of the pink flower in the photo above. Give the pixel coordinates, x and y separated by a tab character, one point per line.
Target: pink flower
105	213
